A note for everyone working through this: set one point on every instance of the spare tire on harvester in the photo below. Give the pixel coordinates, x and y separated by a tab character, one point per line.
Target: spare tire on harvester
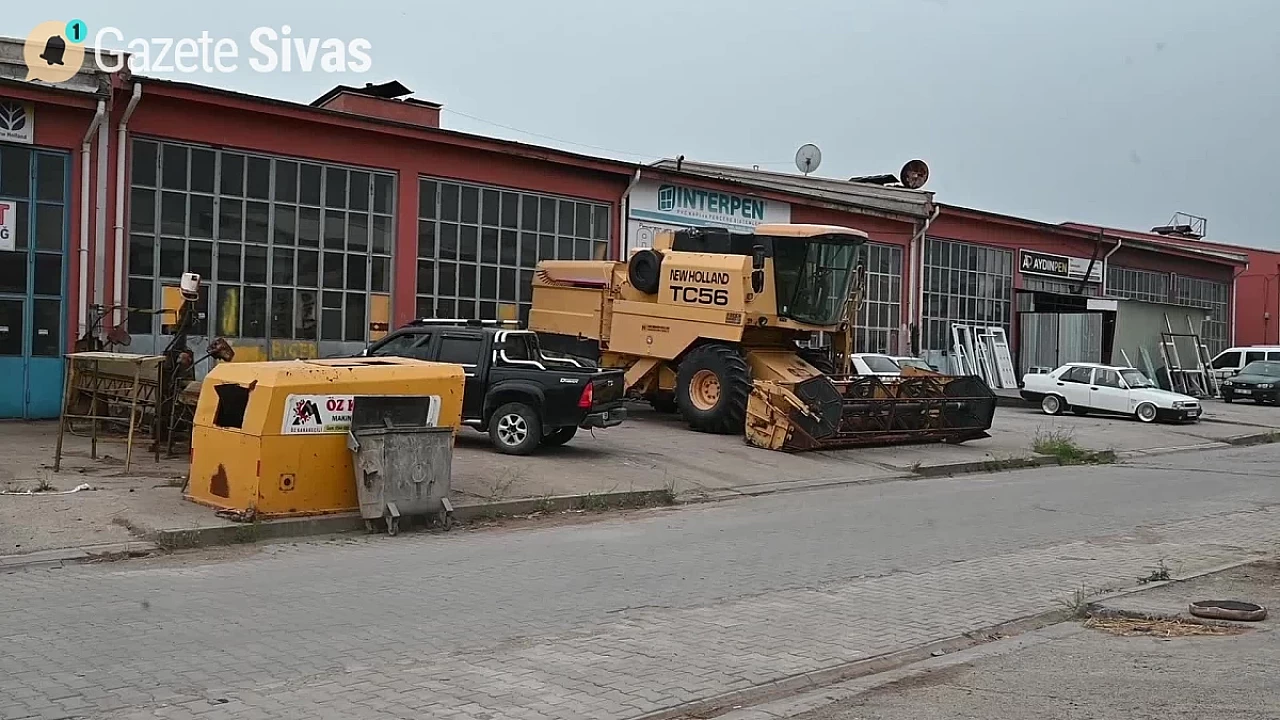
644	271
712	386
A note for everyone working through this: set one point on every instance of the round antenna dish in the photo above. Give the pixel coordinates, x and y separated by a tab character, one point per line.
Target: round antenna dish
914	174
808	158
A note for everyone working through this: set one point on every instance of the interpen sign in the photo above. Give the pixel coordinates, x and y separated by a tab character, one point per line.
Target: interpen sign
657	206
1062	267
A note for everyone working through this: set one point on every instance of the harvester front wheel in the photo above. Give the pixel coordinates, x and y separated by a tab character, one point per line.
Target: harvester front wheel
712	386
820	360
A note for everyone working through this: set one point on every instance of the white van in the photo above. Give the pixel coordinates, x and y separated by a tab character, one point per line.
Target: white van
1229	362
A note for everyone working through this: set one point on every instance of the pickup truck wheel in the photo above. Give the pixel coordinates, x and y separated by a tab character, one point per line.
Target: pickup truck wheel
559	436
1052	405
1146	412
515	429
712	386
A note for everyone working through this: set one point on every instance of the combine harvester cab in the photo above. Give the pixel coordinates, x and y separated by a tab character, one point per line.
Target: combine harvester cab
710	323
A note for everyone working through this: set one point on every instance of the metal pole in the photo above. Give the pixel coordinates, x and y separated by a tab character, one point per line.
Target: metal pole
67	377
93	410
133	415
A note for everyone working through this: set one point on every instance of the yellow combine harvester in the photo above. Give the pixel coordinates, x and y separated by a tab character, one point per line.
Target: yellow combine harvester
710	322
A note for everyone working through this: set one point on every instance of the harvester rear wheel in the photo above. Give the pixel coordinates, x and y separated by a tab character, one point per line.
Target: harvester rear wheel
712	386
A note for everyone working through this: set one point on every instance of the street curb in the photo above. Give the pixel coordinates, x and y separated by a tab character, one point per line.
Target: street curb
812	690
1265	438
338	523
62	557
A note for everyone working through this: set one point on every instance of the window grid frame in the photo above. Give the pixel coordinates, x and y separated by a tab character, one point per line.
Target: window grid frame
266	242
882	298
518	260
988	268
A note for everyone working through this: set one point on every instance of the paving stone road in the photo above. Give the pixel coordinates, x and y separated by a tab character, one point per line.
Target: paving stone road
617	618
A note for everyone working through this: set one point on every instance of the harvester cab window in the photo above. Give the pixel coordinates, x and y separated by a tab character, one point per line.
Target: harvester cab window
813	278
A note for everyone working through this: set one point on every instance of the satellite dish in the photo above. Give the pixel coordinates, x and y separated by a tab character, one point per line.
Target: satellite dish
808	158
914	174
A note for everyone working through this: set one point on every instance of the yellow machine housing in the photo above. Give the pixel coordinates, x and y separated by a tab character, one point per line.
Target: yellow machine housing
712	323
270	438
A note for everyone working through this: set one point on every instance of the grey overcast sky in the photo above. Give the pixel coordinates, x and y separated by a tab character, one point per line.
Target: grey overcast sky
1117	112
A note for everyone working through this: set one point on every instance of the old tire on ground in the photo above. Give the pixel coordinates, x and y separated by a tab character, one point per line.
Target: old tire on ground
1228	610
664	402
644	271
559	436
1052	405
820	360
515	429
1145	412
712	386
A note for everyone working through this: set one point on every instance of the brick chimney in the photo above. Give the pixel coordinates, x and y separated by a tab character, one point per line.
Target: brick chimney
388	101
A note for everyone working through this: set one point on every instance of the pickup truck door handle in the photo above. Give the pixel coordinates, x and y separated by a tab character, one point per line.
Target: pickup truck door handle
1093	388
1062	384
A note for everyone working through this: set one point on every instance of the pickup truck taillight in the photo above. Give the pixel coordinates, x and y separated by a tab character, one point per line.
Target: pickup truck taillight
587	397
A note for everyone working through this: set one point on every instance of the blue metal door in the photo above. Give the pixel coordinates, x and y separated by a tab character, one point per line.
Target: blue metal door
33	280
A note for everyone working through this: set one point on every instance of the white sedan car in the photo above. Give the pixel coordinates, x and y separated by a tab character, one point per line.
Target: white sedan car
1089	387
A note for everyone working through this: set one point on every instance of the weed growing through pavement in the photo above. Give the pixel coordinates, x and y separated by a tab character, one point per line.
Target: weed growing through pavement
1159	573
1061	445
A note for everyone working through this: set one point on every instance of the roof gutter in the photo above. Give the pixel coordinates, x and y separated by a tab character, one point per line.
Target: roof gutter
122	154
82	299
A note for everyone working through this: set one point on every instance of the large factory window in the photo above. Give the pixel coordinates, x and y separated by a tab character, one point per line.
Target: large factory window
1145	285
967	284
881	315
477	246
286	249
1212	296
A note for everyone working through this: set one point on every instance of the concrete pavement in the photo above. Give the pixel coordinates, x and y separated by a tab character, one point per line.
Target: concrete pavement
622	618
1071	671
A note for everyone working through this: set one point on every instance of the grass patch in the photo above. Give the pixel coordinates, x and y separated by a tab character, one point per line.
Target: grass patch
1061	445
1077	606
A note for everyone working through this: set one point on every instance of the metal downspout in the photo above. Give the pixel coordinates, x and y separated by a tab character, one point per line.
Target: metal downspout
122	134
83	266
1106	264
100	212
626	214
914	298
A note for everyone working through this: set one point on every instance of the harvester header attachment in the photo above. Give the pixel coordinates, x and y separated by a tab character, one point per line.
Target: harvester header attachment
826	412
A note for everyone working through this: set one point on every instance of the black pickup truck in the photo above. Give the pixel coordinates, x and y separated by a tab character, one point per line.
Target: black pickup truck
522	397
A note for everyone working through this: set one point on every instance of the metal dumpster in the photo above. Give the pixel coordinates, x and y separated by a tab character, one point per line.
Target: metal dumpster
402	460
270	438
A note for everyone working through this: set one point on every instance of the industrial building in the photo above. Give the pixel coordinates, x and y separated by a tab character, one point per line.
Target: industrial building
317	227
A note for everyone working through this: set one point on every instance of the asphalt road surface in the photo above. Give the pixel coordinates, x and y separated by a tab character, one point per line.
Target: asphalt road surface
613	619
